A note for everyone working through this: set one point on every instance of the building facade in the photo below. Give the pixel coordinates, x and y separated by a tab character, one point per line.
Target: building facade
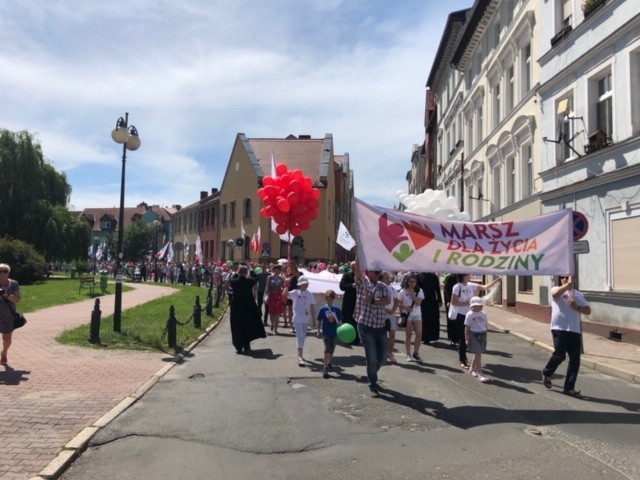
590	156
199	219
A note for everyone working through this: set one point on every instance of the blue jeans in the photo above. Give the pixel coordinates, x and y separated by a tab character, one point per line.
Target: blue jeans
375	345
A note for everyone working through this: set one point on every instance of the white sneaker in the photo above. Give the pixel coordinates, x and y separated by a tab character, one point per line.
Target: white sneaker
301	362
482	378
408	358
473	372
391	358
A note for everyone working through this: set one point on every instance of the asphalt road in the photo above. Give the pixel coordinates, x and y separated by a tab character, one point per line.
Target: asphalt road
228	416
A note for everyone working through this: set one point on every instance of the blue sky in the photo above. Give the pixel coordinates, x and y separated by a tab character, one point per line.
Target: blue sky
193	74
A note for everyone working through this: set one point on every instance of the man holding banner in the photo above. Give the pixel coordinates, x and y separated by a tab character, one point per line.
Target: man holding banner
372	297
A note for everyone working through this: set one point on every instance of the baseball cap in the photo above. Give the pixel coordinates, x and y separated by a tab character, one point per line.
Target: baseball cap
475	302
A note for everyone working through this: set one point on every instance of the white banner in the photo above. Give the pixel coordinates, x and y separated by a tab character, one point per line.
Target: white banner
198	249
345	240
185	257
170	252
399	241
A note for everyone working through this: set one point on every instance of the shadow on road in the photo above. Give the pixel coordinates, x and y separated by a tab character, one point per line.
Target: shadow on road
11	376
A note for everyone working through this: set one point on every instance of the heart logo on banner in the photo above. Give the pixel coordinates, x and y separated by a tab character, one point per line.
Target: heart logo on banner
420	234
391	234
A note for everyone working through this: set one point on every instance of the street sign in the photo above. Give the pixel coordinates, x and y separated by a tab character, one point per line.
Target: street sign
581	246
580	226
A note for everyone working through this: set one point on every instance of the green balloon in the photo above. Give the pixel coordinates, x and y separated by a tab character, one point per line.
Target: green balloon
258	270
229	263
346	333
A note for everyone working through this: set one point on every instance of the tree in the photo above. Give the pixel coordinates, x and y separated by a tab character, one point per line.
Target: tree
138	240
33	200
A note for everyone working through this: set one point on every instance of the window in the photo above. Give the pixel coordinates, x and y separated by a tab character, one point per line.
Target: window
604	106
527	171
478	208
105	224
213	217
223	247
525	284
479	126
246	210
511	181
496	106
565	128
496	33
626	256
224	213
564	14
511	7
511	89
526	70
470	137
635	92
497	188
232	211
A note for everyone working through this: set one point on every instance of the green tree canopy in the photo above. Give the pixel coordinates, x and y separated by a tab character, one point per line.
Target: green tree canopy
33	200
138	241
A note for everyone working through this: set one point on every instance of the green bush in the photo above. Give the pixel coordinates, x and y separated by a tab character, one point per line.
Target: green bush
27	265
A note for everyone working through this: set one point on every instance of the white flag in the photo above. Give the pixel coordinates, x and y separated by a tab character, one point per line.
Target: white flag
243	234
345	240
90	252
161	253
186	248
170	252
198	249
274	174
100	250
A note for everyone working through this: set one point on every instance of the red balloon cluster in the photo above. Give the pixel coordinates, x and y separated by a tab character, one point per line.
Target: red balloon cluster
290	199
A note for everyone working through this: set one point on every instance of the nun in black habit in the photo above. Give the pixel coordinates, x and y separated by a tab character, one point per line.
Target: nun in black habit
246	322
430	306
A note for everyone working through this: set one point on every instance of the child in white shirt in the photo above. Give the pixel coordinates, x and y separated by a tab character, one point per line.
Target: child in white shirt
304	312
475	333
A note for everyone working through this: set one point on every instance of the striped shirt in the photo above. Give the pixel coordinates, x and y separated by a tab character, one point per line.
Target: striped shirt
366	313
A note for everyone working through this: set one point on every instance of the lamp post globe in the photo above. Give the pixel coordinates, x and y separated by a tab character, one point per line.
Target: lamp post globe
128	137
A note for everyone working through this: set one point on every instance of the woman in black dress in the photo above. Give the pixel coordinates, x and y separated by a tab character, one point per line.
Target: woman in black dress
246	324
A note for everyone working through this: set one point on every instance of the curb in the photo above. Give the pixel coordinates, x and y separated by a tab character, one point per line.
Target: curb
585	361
78	444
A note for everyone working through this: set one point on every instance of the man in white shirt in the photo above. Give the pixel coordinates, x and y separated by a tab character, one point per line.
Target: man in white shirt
566	307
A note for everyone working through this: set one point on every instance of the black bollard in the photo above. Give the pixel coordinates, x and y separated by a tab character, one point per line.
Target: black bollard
209	305
95	323
197	313
172	325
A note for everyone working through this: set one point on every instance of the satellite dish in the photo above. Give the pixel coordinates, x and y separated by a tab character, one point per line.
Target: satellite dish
239	242
231	243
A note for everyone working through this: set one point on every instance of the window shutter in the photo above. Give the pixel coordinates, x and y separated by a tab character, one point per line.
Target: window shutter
626	257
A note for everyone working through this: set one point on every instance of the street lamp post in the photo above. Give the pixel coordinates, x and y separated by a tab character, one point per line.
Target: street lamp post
128	137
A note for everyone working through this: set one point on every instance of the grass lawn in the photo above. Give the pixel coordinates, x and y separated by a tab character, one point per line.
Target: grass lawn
143	327
58	291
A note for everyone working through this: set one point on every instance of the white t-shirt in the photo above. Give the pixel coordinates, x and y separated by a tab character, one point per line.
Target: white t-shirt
405	297
563	316
464	293
393	294
302	301
477	321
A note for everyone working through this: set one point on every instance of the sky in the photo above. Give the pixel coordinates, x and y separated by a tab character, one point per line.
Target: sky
193	74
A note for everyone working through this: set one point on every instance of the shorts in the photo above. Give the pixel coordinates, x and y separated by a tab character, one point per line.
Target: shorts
330	344
477	342
394	323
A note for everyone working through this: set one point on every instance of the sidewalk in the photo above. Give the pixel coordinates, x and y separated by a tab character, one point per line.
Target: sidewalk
50	392
617	359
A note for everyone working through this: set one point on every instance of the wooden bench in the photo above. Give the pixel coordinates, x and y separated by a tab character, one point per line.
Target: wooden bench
87	282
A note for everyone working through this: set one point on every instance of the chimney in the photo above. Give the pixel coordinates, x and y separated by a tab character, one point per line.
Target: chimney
203	195
214	191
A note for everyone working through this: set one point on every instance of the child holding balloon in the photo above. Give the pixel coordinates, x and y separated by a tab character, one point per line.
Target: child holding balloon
329	317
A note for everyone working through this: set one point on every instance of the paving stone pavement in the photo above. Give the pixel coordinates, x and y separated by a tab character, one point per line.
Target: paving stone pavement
50	392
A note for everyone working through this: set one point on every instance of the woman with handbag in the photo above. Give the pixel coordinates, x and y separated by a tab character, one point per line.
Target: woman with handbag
10	291
409	300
